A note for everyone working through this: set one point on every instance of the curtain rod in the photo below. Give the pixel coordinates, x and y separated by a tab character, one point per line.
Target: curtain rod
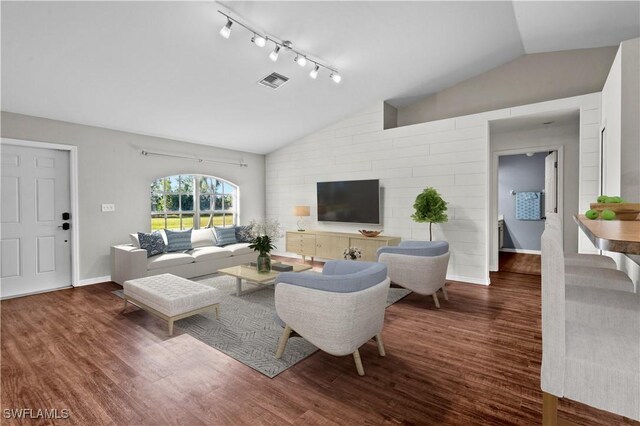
240	163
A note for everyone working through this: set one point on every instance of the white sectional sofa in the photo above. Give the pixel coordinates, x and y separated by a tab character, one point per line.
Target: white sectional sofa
129	261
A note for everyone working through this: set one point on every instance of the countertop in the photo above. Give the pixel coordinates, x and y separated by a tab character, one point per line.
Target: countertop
621	236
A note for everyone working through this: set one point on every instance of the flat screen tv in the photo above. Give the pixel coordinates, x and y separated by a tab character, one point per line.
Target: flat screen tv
353	201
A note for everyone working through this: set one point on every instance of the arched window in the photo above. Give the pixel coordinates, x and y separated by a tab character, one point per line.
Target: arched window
193	201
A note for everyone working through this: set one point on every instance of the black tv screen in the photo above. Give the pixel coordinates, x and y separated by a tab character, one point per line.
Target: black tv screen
355	201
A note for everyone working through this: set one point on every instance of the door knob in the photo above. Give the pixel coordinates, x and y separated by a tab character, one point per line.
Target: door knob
64	226
66	216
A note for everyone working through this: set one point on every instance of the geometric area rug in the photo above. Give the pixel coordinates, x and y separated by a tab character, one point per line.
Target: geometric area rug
246	330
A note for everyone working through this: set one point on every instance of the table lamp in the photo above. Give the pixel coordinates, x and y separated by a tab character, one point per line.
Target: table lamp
301	211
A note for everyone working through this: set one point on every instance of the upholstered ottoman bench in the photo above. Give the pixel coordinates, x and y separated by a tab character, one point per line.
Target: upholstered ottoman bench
171	298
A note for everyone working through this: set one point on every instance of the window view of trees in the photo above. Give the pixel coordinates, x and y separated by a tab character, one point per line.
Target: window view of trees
174	206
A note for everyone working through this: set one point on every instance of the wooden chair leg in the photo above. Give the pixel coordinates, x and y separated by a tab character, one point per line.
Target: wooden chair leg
125	305
380	345
217	312
284	338
170	327
549	409
444	292
356	358
435	299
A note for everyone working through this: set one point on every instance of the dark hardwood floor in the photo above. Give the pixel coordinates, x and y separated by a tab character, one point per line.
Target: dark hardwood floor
520	263
475	361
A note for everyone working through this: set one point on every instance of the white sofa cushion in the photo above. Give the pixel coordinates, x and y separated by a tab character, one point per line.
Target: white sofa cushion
166	260
202	238
136	242
204	254
240	248
171	295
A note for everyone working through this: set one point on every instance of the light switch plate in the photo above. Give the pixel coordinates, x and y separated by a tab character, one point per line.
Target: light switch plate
108	207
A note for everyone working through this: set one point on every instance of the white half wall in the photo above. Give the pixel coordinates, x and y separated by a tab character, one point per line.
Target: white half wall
451	155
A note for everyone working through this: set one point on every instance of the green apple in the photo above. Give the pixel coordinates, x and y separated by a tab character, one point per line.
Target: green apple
602	199
608	214
591	214
612	200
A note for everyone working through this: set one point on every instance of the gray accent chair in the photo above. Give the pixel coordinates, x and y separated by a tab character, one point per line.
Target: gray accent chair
580	259
337	311
589	270
420	266
590	341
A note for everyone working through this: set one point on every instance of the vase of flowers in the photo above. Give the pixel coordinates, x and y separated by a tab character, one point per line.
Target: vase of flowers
352	253
263	245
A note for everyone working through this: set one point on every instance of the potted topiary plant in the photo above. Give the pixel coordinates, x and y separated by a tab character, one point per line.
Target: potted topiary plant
262	244
430	207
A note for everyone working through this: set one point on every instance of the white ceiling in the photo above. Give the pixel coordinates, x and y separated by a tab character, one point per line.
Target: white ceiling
565	25
162	69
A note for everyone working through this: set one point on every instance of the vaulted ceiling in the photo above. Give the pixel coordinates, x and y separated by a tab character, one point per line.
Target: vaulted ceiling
162	69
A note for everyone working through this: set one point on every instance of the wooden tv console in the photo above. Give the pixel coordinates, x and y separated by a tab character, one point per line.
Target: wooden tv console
331	245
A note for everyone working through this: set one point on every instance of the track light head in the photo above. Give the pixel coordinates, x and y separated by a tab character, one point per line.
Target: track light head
314	72
301	60
258	40
274	55
226	30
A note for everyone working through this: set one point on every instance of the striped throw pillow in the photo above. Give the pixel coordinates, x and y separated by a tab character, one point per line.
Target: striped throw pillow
225	236
178	240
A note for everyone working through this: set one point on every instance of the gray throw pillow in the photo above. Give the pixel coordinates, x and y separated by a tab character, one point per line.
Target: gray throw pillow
153	243
225	236
243	234
178	240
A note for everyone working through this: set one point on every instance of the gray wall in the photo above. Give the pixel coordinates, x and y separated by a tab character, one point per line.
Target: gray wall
566	135
526	80
520	173
111	170
630	132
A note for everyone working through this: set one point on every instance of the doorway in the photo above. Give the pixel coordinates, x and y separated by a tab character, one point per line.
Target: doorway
38	212
552	141
527	189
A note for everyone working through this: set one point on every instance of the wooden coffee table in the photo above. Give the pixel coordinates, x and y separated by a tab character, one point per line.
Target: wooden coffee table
252	276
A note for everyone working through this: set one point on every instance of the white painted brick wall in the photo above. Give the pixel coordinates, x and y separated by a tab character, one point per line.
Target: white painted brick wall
450	155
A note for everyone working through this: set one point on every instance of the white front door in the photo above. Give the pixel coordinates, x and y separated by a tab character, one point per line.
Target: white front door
35	195
551	183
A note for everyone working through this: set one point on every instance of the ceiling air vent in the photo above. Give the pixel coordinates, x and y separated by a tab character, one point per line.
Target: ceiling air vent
273	80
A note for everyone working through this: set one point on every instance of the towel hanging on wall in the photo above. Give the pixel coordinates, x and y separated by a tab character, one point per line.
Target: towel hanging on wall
528	205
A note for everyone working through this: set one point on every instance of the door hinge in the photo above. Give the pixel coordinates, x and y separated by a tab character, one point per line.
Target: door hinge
555	164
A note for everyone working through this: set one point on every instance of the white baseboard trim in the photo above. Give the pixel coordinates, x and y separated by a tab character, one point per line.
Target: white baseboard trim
467	280
524	251
94	280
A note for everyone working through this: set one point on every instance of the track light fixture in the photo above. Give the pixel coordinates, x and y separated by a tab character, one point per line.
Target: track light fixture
260	40
226	30
314	72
